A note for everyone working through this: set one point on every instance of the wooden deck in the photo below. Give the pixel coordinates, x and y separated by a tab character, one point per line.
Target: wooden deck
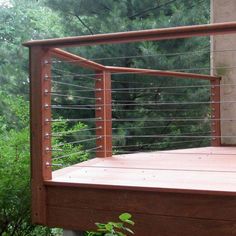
169	193
202	169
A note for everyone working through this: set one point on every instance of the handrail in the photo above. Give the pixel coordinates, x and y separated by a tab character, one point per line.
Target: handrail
77	59
115	69
138	36
72	58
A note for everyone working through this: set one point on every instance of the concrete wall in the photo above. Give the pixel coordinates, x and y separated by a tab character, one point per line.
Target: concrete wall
223	11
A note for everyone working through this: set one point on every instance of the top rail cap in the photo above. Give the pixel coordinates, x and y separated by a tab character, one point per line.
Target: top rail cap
138	36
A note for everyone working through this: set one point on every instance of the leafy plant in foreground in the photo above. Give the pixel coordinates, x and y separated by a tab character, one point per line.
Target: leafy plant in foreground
15	168
114	228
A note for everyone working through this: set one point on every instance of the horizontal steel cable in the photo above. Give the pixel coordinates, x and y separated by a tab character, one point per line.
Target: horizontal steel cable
147	88
151	104
139	120
169	136
73	131
156	110
76	142
153	144
172	70
75	153
70	74
70	107
74	85
151	127
70	95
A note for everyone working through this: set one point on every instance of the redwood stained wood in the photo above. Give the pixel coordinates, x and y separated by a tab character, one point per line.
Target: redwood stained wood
115	69
169	193
138	36
215	113
76	59
103	114
165	179
203	169
146	224
191	205
197	213
161	207
40	171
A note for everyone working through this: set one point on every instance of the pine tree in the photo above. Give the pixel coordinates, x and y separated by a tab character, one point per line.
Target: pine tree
104	16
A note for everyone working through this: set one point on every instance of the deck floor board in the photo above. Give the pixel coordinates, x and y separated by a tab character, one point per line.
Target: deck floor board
200	169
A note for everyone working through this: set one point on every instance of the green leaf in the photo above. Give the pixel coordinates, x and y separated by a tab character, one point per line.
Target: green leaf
129	222
118	225
100	225
128	230
125	216
109	227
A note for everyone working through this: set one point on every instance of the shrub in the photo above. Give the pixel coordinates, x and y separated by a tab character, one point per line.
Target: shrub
114	228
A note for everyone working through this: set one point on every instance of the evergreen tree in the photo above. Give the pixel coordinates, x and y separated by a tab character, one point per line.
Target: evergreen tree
104	16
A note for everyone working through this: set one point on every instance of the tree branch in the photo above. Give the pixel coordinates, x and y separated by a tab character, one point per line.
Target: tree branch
105	6
150	9
81	21
84	24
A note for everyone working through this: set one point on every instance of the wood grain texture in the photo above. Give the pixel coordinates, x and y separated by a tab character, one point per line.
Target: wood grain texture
146	224
160	203
103	114
179	192
138	36
215	113
72	58
38	112
201	169
115	69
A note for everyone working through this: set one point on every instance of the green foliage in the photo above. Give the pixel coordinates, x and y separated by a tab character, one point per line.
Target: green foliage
15	170
15	167
89	17
62	128
21	21
13	112
15	186
114	228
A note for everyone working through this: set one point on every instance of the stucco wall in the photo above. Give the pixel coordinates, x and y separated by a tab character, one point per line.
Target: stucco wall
223	11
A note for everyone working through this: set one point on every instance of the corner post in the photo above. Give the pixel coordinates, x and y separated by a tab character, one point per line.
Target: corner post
215	113
103	114
40	112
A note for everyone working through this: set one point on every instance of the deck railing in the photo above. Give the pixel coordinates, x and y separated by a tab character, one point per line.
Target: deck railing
42	55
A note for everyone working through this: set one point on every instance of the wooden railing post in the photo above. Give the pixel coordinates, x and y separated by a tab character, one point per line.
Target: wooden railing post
215	113
40	112
103	114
